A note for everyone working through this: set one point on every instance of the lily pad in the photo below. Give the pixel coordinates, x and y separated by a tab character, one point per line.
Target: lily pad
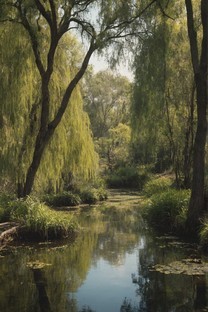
185	266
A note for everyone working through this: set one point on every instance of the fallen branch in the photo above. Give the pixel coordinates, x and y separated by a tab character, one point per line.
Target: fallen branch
10	230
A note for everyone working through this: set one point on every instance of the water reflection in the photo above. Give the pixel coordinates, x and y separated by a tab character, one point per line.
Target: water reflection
41	284
107	269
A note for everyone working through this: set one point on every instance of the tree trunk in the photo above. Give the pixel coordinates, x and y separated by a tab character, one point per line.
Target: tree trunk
189	142
200	67
41	143
196	205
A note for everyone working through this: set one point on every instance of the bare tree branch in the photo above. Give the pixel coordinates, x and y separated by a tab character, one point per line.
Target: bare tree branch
44	13
163	11
53	124
33	39
54	17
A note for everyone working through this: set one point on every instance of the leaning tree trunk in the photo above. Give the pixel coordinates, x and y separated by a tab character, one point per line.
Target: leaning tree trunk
41	143
200	67
47	128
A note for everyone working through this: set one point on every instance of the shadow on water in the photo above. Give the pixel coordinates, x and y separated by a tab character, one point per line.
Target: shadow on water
109	268
41	284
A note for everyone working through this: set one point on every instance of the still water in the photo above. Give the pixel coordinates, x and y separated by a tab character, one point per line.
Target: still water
106	269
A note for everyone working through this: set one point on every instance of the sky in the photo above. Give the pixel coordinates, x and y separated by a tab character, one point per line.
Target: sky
100	63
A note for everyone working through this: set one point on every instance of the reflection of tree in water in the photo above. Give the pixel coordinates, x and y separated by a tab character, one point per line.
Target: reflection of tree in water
167	292
119	236
128	306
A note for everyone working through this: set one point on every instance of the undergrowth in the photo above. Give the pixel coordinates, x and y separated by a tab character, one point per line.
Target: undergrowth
128	177
165	208
39	220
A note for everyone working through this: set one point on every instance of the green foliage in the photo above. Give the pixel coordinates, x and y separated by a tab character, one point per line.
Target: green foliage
40	221
157	185
128	177
114	149
71	149
89	196
102	194
163	108
86	195
92	195
5	208
203	233
166	211
106	109
63	199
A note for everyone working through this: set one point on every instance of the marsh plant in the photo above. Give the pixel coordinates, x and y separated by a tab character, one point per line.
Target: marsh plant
157	185
166	211
39	220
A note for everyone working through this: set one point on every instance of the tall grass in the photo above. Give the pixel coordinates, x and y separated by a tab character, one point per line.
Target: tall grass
157	185
39	221
166	211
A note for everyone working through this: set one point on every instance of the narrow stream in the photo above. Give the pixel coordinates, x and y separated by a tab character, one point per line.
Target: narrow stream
109	268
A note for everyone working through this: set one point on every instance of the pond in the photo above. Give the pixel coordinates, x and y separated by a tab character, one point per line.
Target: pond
110	267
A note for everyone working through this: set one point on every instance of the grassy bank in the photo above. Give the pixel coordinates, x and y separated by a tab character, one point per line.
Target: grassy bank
36	220
41	219
165	208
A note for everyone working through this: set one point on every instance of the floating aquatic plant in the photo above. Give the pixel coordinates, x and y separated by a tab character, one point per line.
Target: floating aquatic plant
185	266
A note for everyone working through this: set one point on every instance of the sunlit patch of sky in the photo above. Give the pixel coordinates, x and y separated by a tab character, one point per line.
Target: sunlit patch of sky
97	61
100	63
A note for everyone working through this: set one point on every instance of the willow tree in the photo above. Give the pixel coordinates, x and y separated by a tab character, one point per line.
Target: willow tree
45	23
164	95
71	149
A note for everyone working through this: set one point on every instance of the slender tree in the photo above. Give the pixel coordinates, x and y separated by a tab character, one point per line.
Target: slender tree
199	54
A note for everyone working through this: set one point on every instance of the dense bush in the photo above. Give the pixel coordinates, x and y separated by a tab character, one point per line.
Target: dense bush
63	199
5	208
166	211
39	220
92	195
88	195
127	177
203	233
157	185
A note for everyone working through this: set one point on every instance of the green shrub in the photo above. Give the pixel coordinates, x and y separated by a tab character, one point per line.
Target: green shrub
89	196
203	233
92	195
167	210
5	209
127	177
63	199
157	185
39	220
102	194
